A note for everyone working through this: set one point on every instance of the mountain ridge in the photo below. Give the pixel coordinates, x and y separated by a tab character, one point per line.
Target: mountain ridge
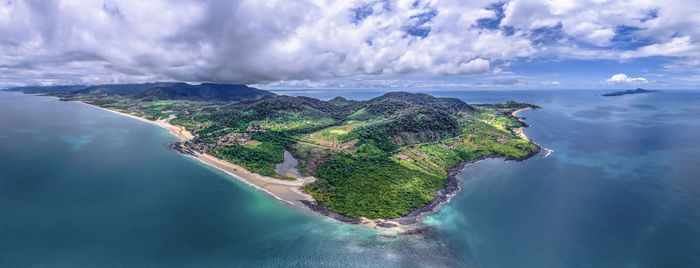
159	91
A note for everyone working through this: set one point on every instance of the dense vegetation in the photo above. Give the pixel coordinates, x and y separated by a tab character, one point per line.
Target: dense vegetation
259	159
377	158
372	186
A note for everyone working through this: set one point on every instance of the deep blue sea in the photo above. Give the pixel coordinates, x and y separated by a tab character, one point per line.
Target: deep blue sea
620	187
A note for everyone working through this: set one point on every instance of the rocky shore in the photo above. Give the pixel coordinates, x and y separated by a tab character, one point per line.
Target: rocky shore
327	212
180	147
441	197
451	188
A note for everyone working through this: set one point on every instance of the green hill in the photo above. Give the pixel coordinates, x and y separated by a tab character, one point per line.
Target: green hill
203	92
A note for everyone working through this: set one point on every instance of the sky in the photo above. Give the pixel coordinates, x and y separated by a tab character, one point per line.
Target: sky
354	44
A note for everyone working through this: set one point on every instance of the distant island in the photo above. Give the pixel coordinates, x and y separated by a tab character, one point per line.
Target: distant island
628	92
380	162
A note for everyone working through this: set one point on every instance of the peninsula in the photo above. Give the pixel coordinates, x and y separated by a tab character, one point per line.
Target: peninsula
391	157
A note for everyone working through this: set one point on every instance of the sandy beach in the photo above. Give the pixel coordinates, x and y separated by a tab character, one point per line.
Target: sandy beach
287	191
178	131
519	131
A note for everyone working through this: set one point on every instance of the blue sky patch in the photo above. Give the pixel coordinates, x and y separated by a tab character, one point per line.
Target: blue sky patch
361	13
652	14
415	4
494	22
627	37
547	35
419	28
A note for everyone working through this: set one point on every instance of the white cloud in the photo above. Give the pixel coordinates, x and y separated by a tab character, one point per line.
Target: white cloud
678	47
475	66
624	79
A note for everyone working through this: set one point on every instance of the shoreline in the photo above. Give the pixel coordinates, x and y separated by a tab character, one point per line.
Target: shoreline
519	130
287	191
452	187
179	131
442	196
290	192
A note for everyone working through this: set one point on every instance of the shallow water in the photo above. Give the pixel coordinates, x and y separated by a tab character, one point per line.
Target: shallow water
82	186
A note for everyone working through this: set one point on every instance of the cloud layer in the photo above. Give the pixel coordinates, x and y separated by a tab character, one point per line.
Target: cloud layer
251	41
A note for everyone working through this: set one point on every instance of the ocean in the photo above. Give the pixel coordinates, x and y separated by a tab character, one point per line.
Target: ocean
617	186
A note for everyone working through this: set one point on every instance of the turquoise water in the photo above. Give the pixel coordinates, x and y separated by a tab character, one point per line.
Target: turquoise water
84	187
